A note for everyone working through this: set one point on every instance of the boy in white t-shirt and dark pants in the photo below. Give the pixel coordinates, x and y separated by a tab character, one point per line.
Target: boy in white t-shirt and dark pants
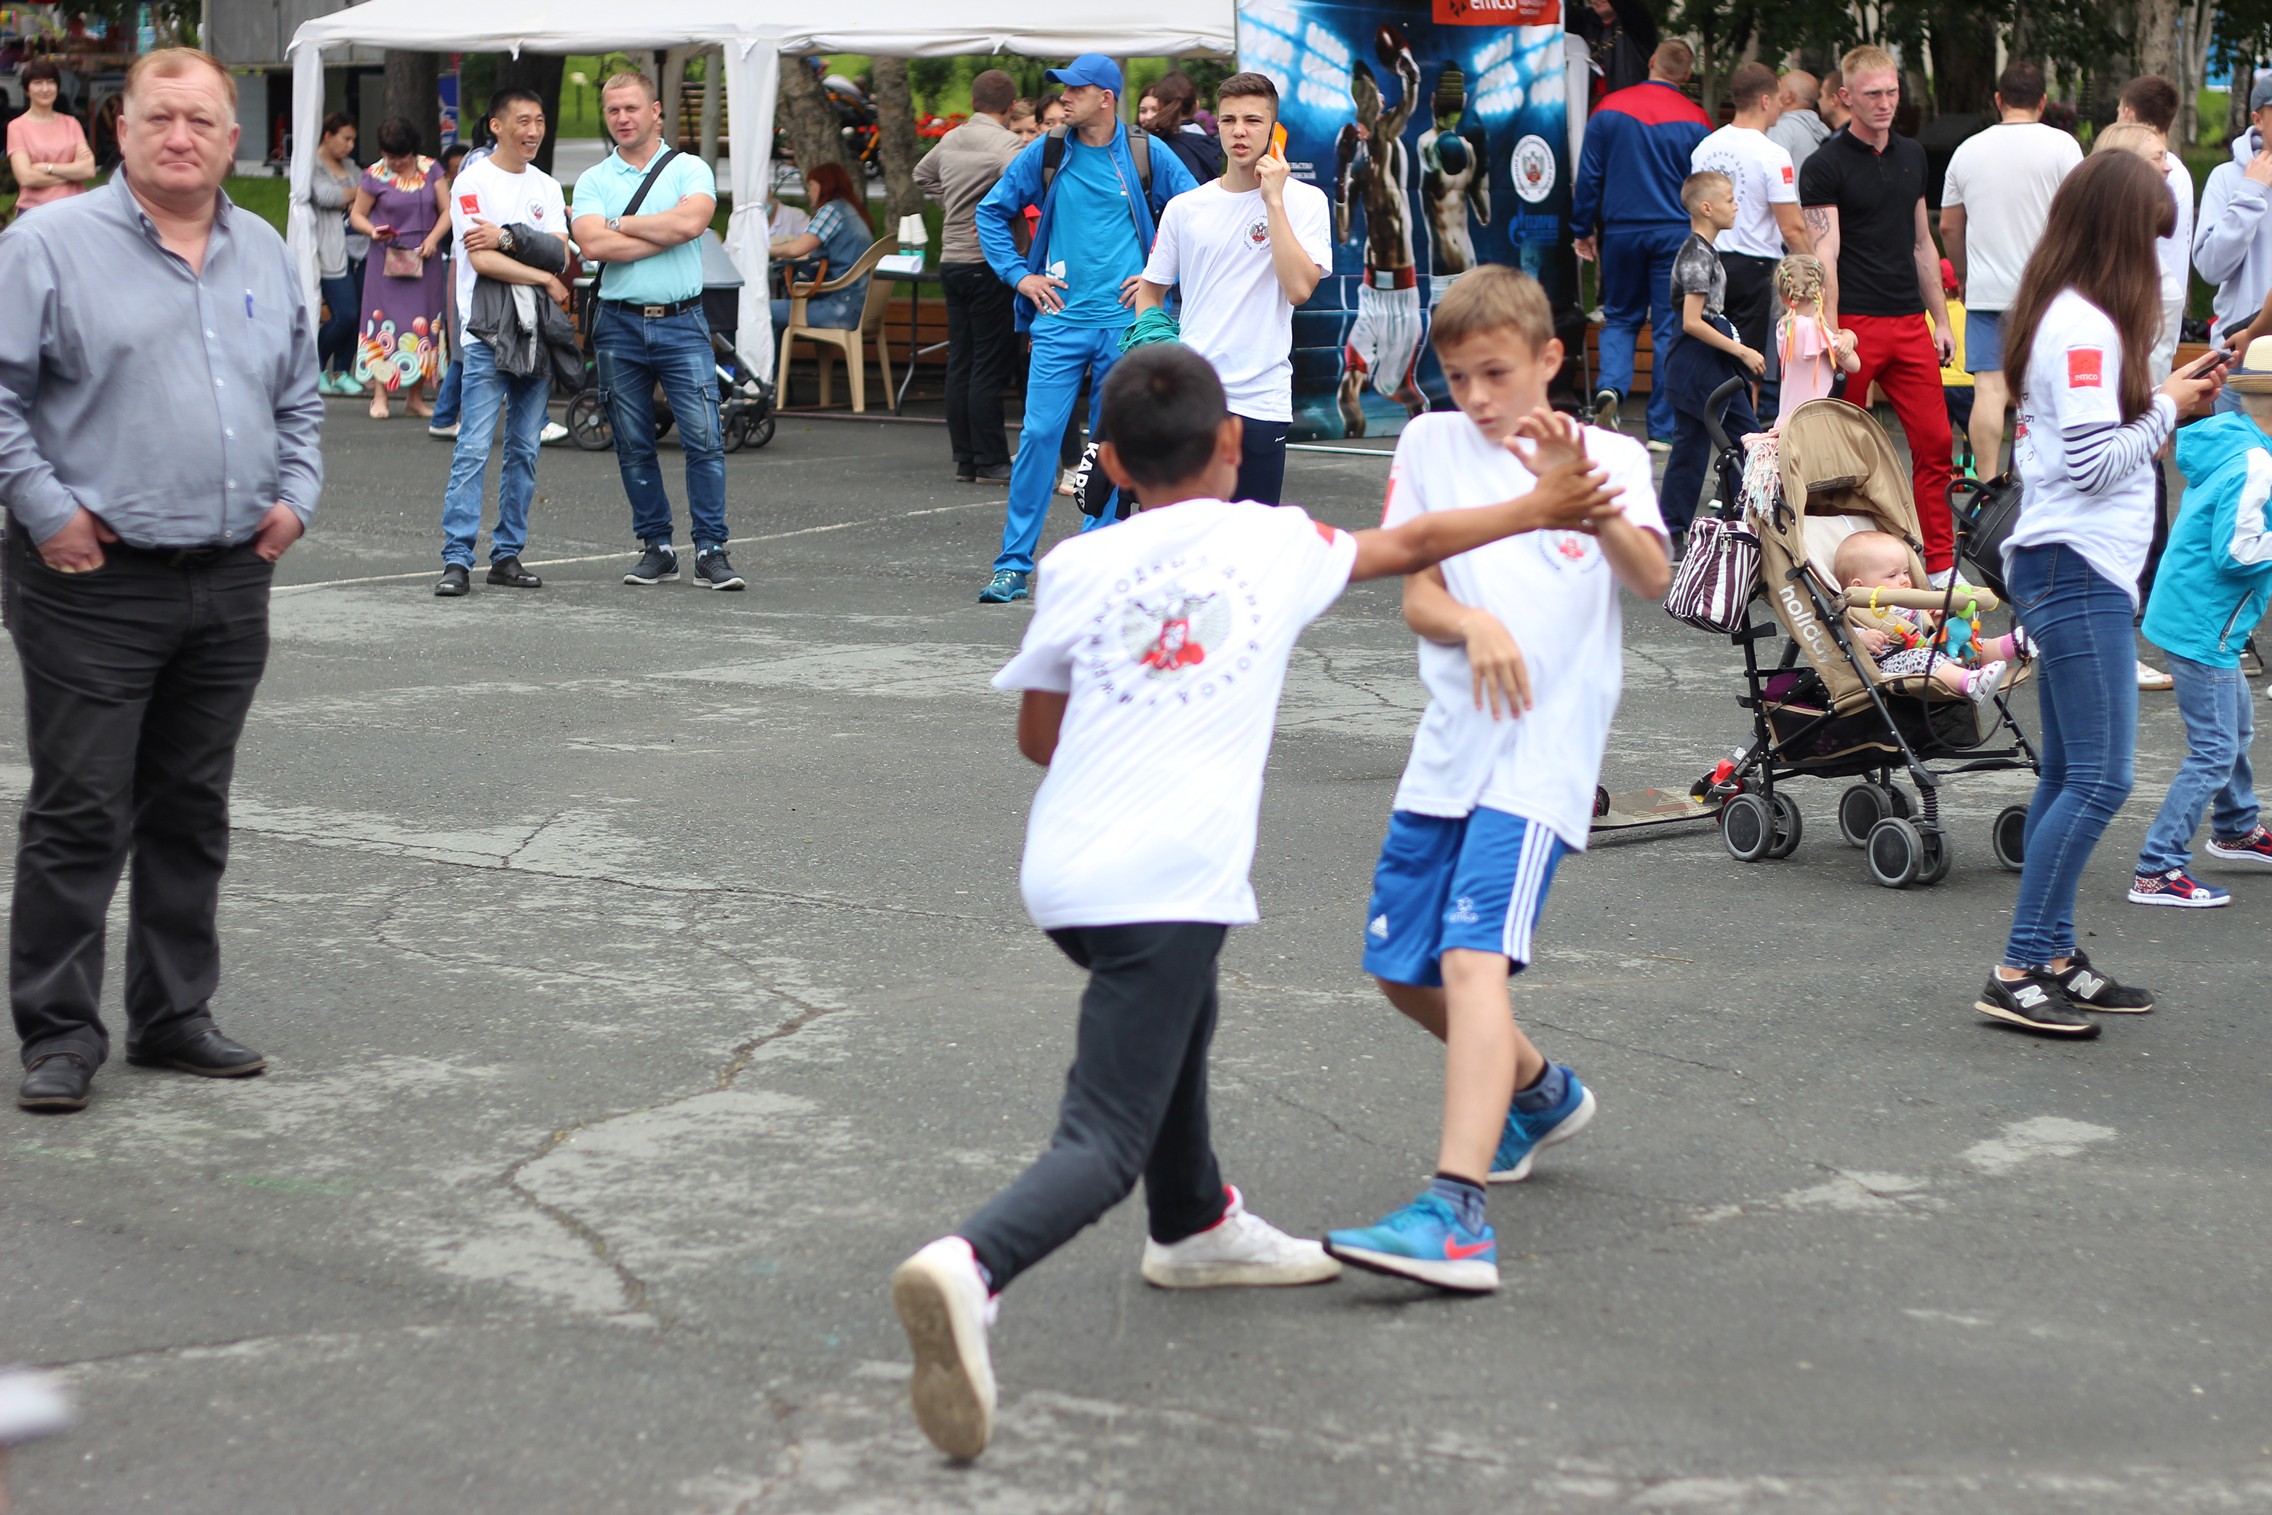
1768	222
1492	799
1151	673
1246	250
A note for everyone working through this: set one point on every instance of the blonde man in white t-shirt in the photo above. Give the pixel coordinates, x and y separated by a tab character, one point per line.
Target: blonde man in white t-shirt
1995	199
1150	676
1489	805
1769	224
1246	249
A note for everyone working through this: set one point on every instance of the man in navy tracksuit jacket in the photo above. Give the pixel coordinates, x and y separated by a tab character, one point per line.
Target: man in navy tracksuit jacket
1629	174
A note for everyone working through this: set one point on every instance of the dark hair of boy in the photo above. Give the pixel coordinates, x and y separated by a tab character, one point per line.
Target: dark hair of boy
2021	87
1492	298
2153	100
1248	86
1163	407
501	104
1708	184
993	92
398	135
1749	82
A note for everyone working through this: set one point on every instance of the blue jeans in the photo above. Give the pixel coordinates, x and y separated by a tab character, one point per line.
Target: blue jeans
1636	286
486	395
634	355
335	343
2220	722
448	395
2087	662
1053	380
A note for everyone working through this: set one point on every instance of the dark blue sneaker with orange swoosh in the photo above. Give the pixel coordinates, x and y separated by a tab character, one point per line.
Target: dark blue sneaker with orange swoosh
1425	1242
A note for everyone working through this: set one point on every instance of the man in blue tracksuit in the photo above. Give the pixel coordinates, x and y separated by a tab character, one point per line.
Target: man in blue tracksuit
1630	171
1075	284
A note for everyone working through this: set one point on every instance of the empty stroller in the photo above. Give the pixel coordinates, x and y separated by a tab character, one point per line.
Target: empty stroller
1825	709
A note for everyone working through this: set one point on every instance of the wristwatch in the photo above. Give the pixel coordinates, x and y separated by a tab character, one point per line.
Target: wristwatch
613	222
505	240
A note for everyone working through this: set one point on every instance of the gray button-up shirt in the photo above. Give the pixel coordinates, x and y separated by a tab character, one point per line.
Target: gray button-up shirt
957	173
177	406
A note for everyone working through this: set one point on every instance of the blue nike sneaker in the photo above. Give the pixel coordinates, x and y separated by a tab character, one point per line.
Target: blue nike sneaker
1423	1241
1525	1134
1007	585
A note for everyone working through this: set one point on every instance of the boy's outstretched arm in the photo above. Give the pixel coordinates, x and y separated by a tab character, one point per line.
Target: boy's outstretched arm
1574	495
1040	713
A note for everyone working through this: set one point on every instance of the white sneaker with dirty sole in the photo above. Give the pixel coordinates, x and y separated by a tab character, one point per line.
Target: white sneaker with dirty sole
942	1303
1240	1250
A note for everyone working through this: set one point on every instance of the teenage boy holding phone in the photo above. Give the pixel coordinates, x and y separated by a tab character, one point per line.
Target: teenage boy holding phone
1246	248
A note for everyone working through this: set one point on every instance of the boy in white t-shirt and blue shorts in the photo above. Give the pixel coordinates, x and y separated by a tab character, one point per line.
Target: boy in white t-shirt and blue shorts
1493	798
1150	676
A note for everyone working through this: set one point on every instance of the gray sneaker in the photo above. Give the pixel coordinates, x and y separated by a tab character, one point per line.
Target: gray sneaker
657	565
712	571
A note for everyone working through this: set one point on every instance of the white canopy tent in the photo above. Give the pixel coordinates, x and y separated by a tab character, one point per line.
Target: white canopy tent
754	34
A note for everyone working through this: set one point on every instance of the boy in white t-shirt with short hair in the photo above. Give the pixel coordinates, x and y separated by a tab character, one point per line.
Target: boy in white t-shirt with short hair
1492	799
1246	249
1151	673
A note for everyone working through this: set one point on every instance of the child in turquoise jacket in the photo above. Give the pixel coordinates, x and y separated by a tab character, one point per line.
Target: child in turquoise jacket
2208	597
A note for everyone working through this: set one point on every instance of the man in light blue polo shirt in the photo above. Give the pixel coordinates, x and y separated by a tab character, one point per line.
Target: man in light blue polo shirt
650	328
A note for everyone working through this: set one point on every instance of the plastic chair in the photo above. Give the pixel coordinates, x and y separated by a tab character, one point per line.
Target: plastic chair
851	341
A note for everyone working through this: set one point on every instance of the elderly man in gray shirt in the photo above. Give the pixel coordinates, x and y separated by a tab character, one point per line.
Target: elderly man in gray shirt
982	322
159	450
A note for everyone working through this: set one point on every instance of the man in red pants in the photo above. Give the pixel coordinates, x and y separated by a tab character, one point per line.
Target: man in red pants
1863	192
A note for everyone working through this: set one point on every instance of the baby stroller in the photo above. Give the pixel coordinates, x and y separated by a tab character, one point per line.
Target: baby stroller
1824	709
745	401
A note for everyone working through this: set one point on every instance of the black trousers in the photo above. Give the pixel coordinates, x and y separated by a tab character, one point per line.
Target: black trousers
1135	1101
1262	460
982	341
1750	308
137	680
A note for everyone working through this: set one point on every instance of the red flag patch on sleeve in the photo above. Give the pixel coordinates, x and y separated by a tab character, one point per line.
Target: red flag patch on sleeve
470	204
1331	534
1790	174
2086	367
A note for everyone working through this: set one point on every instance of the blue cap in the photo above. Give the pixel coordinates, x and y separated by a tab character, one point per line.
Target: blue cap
1089	68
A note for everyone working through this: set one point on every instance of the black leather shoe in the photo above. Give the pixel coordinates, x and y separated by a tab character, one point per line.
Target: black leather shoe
207	1053
510	573
992	473
966	473
57	1082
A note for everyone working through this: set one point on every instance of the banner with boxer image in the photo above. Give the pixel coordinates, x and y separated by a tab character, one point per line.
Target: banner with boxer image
1437	129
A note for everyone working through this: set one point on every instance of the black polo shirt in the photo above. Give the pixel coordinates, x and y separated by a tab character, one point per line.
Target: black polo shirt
1877	195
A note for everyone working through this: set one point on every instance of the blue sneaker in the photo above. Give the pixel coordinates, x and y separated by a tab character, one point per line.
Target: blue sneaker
1007	584
1525	1134
1423	1241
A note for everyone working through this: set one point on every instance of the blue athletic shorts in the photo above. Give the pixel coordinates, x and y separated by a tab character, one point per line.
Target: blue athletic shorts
1983	340
1477	881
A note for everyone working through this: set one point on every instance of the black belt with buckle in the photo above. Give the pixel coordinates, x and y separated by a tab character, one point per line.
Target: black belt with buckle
657	312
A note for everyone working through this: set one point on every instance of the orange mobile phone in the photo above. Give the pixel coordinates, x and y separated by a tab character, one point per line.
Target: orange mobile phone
1278	140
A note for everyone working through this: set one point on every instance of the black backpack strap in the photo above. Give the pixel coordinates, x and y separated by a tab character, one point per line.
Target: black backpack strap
1052	156
638	198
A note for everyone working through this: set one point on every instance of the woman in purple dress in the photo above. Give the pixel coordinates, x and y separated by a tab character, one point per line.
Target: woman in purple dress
402	205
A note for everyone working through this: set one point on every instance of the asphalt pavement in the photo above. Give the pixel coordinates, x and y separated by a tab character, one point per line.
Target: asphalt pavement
643	974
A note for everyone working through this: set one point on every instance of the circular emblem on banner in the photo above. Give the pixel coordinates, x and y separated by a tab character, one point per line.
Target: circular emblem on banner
1533	169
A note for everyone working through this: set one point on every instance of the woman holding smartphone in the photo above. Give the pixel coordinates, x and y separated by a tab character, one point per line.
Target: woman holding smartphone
2078	344
402	205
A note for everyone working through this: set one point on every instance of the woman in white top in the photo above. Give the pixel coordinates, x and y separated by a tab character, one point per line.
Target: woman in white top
2078	344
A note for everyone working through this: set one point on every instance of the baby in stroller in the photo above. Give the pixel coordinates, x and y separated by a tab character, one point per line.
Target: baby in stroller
1905	641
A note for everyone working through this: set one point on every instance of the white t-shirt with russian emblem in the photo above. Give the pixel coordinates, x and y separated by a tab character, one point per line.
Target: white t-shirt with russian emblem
529	198
1216	244
1170	635
1556	595
1760	168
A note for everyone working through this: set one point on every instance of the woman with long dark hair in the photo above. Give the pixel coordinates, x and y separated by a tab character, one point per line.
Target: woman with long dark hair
1175	126
2078	344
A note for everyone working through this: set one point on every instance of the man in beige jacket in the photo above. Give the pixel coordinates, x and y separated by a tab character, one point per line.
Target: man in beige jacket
981	324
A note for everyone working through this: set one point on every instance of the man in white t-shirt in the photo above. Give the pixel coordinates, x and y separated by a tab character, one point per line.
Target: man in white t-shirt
489	195
1994	202
1768	220
1150	676
2151	102
1246	250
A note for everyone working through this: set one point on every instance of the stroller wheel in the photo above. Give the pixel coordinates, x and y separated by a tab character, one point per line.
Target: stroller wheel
2009	837
1859	808
757	429
1896	852
1939	853
588	423
1789	826
1746	828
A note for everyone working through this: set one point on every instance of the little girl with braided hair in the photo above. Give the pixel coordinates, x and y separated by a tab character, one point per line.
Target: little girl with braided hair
1810	351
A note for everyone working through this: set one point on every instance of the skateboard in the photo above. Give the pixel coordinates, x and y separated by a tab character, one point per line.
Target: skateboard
1635	808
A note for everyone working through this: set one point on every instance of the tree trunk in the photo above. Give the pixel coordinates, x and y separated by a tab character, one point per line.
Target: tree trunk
413	94
713	97
1964	59
895	122
540	72
2161	41
808	120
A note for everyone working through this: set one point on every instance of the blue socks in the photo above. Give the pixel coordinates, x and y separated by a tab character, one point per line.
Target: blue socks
1552	1088
1465	1198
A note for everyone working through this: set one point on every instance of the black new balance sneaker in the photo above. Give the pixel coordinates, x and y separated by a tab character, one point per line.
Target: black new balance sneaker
2036	1003
2091	989
712	571
657	565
